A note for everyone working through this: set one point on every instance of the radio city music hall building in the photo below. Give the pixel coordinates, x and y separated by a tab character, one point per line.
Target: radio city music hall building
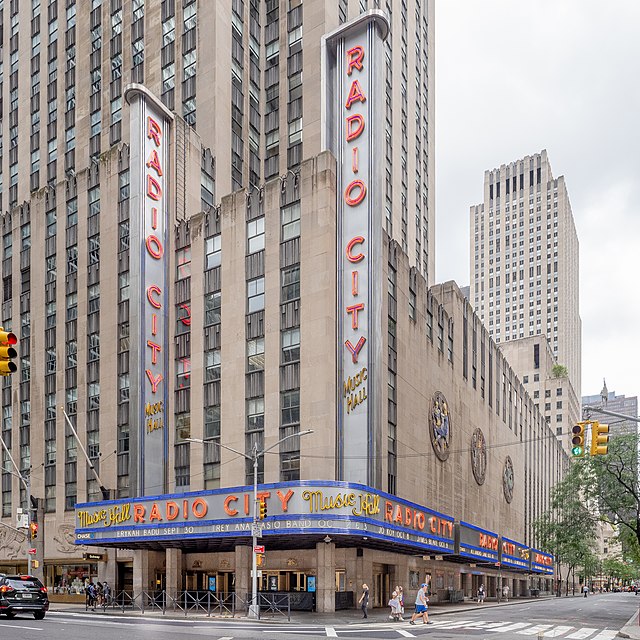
173	305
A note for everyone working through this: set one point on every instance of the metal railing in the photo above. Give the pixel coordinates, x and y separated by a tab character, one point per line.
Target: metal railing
195	602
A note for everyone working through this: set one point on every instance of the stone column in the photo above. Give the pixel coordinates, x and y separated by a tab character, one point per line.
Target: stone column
141	574
107	569
174	571
243	571
326	577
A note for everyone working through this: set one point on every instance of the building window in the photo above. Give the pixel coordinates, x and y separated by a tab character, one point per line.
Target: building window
213	252
290	221
255	354
255	235
183	263
290	407
255	414
212	365
290	346
212	308
255	295
183	427
290	284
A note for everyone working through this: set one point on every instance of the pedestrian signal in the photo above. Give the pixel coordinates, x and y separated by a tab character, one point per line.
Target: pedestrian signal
599	439
577	440
7	352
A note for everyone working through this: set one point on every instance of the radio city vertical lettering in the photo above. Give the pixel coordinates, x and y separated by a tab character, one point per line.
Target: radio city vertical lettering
153	170
355	246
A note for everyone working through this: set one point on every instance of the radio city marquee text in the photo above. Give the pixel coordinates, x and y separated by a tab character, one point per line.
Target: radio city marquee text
355	194
311	501
154	231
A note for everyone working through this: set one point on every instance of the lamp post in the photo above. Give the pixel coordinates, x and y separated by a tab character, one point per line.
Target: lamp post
254	608
27	485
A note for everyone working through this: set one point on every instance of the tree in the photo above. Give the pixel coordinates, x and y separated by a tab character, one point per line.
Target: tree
568	528
612	480
559	371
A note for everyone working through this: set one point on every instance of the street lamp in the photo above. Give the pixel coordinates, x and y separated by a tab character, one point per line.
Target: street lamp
254	457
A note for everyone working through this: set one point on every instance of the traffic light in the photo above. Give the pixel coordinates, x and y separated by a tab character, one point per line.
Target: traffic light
599	439
259	559
577	441
263	510
7	352
33	528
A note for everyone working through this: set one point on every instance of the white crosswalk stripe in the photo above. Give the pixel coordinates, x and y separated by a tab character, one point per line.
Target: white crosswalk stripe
581	634
405	634
535	630
513	627
607	634
557	631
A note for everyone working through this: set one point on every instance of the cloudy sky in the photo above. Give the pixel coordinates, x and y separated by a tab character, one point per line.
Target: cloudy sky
514	77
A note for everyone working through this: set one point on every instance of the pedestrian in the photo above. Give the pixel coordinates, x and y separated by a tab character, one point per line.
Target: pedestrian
91	596
421	605
585	590
364	600
395	607
106	592
505	592
481	594
401	600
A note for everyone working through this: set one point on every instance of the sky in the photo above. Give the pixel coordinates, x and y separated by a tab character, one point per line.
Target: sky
514	77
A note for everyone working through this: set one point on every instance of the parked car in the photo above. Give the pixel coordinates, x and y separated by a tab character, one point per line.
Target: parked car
23	594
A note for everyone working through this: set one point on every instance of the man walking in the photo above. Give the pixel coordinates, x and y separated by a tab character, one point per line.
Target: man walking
364	600
421	605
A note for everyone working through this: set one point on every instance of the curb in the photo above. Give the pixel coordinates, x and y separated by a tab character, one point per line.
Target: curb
631	629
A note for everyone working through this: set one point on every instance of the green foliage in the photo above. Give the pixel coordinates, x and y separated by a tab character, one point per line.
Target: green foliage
568	528
613	481
559	371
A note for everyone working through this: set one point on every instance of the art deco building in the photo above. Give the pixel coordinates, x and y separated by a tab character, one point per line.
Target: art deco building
525	280
217	224
618	404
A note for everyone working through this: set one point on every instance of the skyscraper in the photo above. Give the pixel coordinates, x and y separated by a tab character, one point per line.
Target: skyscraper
617	404
171	265
525	268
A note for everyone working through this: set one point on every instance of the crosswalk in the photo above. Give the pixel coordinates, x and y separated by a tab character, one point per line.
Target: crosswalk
529	629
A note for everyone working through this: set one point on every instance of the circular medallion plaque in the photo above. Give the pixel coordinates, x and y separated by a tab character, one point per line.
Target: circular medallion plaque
507	479
440	426
478	456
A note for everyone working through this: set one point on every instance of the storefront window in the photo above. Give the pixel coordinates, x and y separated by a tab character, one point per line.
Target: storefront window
70	579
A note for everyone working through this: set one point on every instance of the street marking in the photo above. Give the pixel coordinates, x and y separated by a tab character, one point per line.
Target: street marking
226	638
450	624
513	627
557	631
21	626
405	634
581	634
331	632
532	631
607	634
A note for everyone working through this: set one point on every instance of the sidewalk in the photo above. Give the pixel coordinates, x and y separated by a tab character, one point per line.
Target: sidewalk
631	629
350	616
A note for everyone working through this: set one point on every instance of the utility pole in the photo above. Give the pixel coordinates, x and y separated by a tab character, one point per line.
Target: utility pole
256	531
27	485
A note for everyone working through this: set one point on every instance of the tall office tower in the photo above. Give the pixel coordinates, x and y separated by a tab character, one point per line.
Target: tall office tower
201	204
525	262
618	404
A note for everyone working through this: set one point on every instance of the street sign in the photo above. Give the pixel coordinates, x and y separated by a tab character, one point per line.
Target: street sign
256	531
258	573
259	548
32	552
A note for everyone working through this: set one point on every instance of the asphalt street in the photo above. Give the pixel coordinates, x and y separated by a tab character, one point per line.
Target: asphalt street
597	617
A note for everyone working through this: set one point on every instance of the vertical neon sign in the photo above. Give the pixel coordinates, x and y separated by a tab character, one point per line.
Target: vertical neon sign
149	166
354	133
